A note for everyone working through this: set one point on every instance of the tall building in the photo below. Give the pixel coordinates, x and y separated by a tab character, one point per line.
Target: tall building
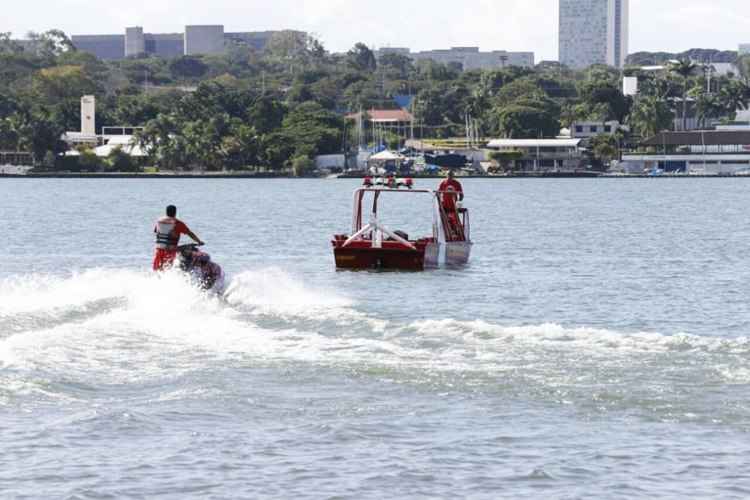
594	32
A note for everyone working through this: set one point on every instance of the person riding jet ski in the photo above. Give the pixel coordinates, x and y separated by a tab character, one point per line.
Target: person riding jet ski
168	230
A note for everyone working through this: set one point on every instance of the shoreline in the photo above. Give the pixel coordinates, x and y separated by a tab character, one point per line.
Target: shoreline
52	175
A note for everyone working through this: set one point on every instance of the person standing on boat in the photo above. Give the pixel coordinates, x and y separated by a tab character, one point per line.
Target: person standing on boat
451	191
168	230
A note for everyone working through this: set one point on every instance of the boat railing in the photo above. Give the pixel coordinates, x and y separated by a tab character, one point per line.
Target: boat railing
454	223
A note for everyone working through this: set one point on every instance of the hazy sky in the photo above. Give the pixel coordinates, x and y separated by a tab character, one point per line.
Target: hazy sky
672	25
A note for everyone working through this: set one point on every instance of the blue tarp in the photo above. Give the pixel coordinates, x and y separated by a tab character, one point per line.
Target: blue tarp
403	101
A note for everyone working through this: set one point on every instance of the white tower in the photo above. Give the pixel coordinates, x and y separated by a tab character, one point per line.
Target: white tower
88	115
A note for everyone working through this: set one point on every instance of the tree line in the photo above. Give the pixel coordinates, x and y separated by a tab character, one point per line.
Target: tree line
280	107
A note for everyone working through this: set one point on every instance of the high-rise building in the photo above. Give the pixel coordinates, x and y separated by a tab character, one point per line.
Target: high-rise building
135	42
594	32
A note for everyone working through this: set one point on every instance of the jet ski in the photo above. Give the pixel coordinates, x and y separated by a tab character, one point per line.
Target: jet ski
208	275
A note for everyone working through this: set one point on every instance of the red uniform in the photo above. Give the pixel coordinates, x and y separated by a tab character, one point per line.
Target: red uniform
168	231
451	190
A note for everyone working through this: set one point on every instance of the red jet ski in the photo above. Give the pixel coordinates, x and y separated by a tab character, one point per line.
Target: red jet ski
198	264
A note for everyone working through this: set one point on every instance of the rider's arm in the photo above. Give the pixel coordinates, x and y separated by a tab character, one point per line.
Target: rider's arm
183	229
194	237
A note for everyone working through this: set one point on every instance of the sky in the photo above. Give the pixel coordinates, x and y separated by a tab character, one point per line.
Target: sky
516	25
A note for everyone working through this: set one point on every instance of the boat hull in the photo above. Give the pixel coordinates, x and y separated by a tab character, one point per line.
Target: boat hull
427	256
457	253
380	258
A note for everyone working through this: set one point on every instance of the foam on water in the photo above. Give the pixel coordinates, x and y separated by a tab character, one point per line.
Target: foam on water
275	291
107	327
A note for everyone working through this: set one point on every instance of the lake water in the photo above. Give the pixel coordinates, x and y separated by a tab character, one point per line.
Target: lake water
596	347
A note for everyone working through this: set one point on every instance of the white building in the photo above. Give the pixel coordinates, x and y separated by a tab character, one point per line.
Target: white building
539	155
589	129
594	32
468	57
699	152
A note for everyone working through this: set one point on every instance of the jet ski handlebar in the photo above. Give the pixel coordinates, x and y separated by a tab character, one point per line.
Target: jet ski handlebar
190	246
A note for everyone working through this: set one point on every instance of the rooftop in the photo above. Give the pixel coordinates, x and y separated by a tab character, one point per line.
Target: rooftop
534	143
700	138
385	116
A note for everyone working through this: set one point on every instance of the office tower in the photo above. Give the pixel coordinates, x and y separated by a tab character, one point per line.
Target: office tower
594	32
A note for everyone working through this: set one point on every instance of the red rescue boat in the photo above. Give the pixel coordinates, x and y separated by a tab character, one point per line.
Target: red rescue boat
374	246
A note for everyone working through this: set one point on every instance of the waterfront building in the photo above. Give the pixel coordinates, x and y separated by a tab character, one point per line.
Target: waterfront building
698	152
540	155
594	32
469	58
196	40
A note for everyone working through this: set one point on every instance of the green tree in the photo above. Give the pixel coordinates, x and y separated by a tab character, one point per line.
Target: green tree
302	165
649	116
61	84
120	161
8	45
361	58
396	65
266	114
312	130
604	100
188	67
684	69
50	44
88	161
605	148
521	121
734	95
707	107
743	66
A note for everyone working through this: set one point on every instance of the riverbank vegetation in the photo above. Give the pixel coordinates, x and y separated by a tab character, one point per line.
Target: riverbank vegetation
281	107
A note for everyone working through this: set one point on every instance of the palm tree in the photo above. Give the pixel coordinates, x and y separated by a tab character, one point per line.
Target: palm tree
743	65
733	96
649	116
684	68
707	106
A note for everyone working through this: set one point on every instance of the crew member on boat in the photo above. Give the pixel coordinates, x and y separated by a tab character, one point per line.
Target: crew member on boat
451	191
168	230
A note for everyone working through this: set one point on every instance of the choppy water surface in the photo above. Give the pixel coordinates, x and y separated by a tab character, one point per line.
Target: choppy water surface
597	346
